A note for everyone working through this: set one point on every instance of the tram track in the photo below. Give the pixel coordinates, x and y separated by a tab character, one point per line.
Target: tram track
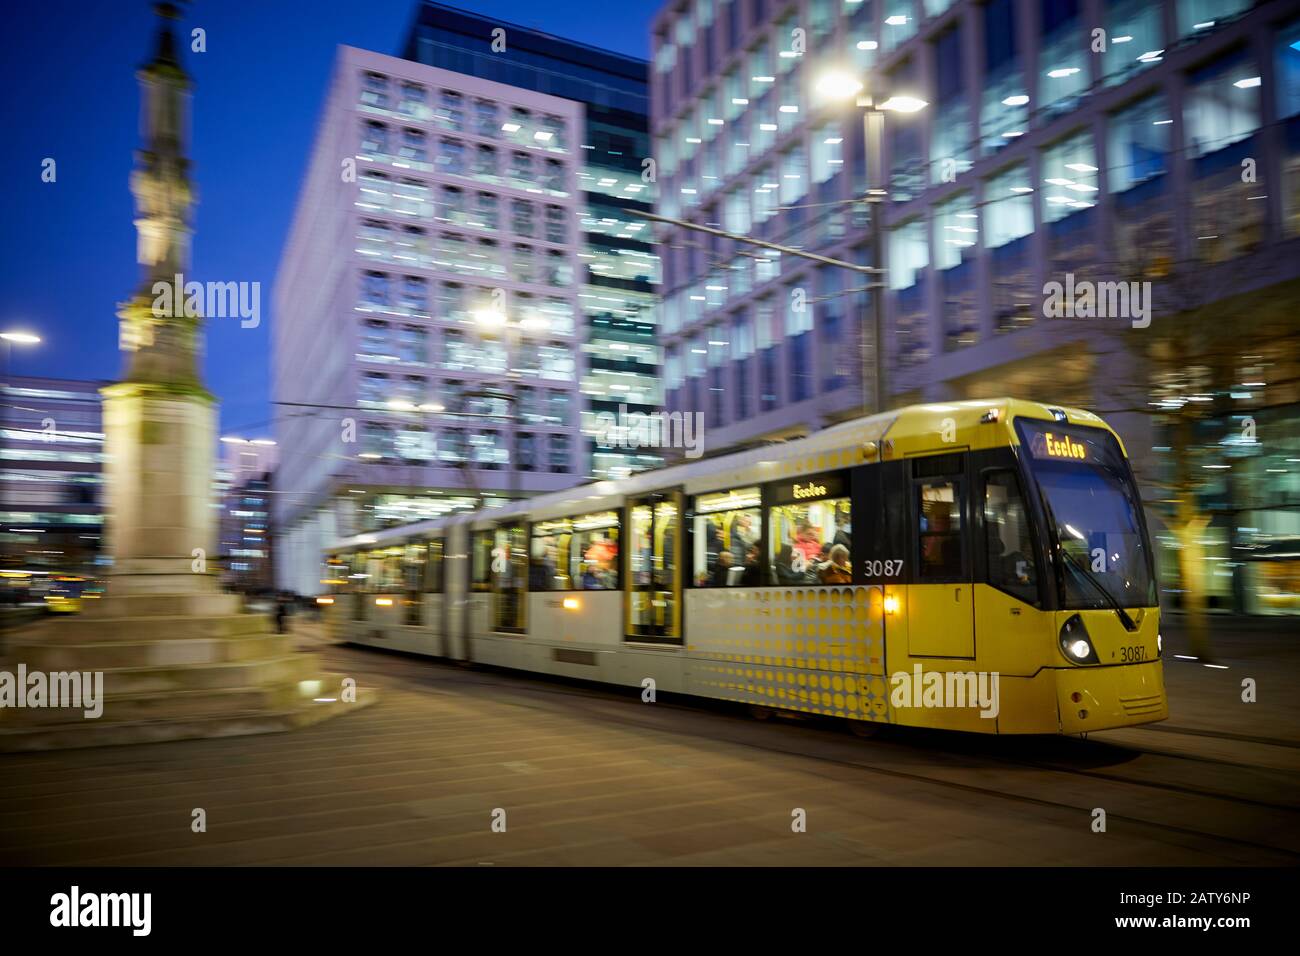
974	756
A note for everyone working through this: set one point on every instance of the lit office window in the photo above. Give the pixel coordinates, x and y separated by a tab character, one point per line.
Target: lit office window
1138	143
485	210
1063	57
451	156
415	147
373	389
374	139
1004	114
523	218
950	136
451	111
374	90
1008	207
907	163
827	152
909	254
1134	38
1221	105
1069	173
375	341
798	309
794	174
556	224
737	211
414	99
1201	16
485	119
899	24
413	345
956	231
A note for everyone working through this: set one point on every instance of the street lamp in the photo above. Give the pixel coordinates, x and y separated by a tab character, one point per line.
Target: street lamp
841	86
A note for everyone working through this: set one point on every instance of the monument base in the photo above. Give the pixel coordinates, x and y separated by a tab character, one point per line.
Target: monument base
173	667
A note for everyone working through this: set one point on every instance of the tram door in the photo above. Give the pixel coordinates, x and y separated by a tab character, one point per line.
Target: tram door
653	597
940	599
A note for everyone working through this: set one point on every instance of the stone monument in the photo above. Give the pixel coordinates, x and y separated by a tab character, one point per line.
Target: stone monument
178	658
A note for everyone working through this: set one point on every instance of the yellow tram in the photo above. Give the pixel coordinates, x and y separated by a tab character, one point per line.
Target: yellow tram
979	566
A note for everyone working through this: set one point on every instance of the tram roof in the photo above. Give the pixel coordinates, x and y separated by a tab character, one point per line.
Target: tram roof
898	433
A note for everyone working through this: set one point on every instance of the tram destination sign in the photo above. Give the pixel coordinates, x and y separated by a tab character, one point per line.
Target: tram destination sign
831	484
1055	445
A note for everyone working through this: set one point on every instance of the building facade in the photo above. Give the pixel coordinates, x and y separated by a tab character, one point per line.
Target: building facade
51	465
461	291
245	484
1058	145
618	362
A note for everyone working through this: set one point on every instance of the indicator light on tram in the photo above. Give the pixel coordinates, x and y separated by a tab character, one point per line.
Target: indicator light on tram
384	601
891	605
324	600
571	604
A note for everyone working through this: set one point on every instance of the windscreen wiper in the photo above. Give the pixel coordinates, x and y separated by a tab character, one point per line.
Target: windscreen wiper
1128	622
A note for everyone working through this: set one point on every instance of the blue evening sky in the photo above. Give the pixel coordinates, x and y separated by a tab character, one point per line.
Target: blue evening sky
67	249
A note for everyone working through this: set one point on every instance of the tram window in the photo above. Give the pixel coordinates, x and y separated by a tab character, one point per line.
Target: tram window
413	573
939	525
357	571
578	554
433	567
811	543
337	569
652	534
386	569
481	561
509	575
1010	543
413	567
727	549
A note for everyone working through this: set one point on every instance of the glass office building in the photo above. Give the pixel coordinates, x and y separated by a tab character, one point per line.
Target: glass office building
1143	147
459	299
51	475
619	271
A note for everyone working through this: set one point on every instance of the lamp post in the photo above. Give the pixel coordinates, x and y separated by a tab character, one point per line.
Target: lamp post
841	86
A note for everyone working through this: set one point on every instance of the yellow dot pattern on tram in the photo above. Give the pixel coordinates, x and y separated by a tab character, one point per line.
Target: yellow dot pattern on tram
813	649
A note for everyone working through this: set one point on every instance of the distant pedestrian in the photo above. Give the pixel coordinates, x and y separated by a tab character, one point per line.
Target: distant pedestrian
280	613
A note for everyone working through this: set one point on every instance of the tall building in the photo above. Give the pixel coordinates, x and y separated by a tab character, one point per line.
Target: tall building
1032	150
51	474
619	357
461	289
246	537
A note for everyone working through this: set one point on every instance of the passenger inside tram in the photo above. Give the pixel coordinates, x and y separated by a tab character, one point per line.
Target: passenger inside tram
727	539
811	543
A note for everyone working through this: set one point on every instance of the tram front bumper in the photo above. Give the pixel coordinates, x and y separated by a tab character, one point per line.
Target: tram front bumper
1101	698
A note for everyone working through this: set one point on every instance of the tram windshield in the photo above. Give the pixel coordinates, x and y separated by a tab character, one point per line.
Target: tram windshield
1094	511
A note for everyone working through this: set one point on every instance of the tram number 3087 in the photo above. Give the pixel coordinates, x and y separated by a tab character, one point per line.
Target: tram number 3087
1129	655
887	569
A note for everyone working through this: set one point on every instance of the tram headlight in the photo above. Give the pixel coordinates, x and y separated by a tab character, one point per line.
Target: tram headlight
1076	645
1160	643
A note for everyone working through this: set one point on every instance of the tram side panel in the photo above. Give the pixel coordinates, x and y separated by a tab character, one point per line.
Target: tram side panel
814	649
